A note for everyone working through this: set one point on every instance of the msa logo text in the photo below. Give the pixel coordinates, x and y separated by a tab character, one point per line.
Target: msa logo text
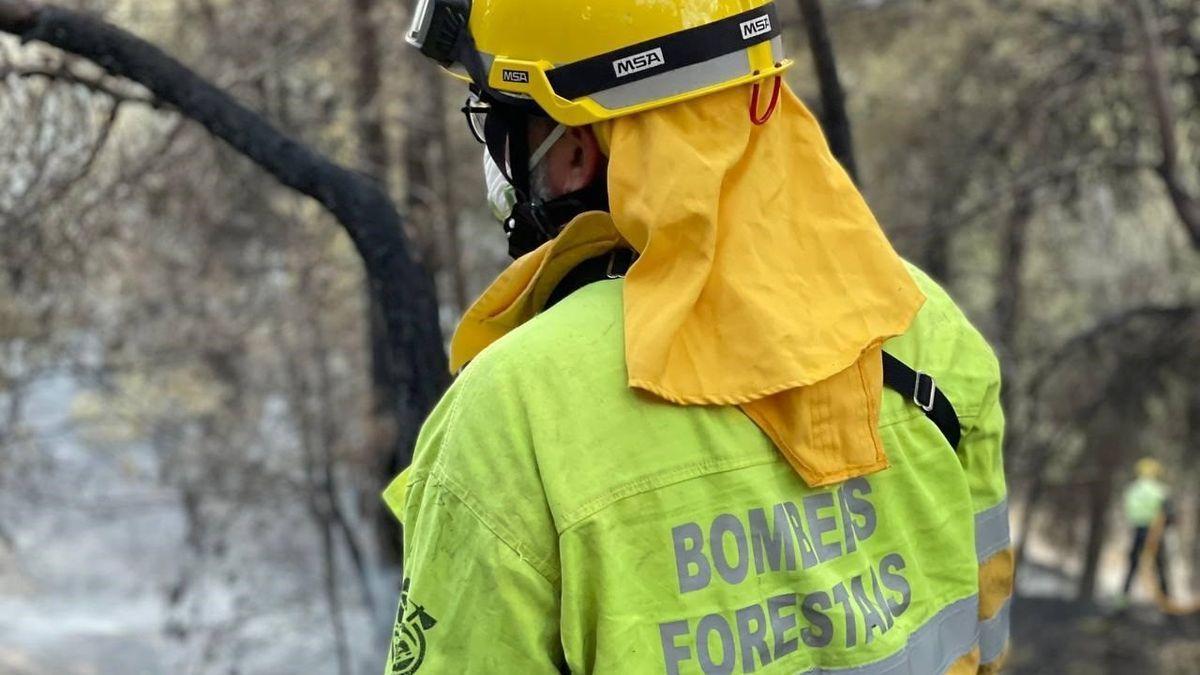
755	27
516	76
639	62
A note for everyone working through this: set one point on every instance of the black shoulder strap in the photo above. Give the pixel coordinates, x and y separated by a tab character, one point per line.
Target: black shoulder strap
612	265
920	389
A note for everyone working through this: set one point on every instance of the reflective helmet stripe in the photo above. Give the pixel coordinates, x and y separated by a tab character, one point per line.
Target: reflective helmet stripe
665	54
676	82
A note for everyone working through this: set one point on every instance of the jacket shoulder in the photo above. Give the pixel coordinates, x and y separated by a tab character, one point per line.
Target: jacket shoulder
587	326
944	343
520	400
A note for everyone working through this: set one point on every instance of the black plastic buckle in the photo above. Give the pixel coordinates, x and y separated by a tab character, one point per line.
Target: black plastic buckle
437	28
925	403
619	262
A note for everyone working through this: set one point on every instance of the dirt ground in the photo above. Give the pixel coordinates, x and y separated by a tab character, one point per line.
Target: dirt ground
1060	637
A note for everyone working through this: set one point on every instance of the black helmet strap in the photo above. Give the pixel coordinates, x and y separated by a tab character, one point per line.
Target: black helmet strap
533	221
536	222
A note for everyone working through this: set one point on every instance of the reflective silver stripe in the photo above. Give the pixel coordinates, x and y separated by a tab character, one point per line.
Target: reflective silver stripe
675	82
991	531
932	648
993	635
682	80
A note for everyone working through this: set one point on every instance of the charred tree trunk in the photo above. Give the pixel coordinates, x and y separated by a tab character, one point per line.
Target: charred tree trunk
1099	499
1158	85
418	174
1009	309
373	140
1193	442
408	304
6	540
1010	296
833	97
1105	459
317	500
939	235
429	192
449	238
385	441
1033	499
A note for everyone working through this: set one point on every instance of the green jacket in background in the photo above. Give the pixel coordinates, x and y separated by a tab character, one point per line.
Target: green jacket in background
1144	499
557	521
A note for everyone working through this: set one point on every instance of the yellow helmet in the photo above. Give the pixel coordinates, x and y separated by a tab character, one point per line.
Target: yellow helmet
583	62
1149	467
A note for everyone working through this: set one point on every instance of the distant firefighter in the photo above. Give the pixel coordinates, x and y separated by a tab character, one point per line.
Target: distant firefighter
1146	499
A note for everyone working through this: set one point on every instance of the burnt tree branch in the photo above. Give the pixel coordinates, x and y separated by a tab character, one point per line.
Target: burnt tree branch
1158	85
17	16
359	203
833	97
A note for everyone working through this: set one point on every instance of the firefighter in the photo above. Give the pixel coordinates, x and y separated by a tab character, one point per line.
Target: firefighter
708	421
1146	500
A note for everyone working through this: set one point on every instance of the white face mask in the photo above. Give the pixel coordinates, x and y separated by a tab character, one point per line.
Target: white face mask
501	195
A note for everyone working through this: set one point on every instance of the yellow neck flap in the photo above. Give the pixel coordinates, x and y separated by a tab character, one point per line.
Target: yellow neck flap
763	279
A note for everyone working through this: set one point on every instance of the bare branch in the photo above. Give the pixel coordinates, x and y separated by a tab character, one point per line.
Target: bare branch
1187	206
17	16
1172	316
94	153
65	75
834	117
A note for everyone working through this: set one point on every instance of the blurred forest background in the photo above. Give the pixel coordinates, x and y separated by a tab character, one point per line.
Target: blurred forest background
198	405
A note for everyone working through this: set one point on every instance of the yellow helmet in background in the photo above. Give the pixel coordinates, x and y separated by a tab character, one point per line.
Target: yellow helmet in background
1149	467
584	62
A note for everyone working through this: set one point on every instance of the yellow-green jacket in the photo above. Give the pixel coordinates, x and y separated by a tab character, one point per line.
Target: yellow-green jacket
557	521
1144	499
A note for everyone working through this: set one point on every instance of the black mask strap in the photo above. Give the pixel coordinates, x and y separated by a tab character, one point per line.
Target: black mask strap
534	223
506	132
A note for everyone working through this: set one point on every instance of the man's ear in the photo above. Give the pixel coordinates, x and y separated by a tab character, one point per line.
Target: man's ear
585	159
